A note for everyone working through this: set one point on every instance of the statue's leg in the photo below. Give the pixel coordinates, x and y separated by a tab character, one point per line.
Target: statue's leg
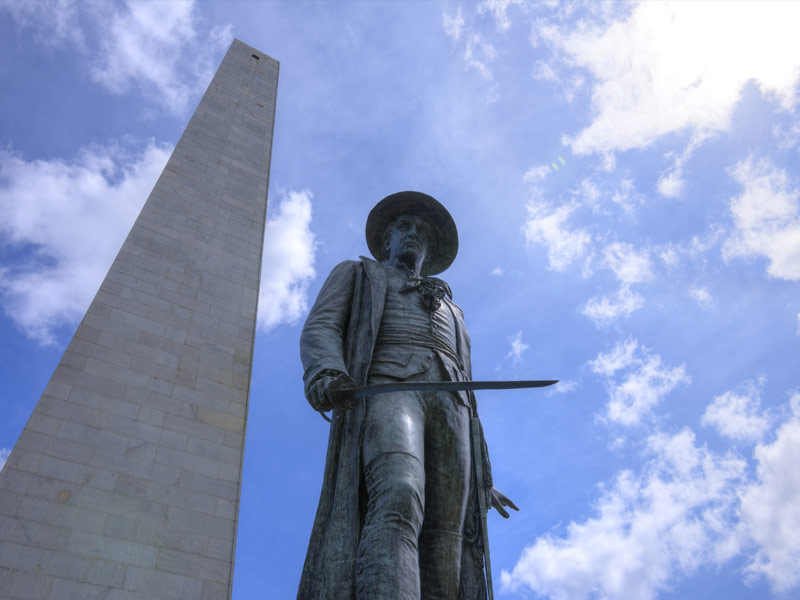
447	468
394	475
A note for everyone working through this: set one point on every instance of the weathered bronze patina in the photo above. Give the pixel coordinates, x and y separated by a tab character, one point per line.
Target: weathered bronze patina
407	472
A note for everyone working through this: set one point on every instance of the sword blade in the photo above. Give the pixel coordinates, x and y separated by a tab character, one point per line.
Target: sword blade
444	386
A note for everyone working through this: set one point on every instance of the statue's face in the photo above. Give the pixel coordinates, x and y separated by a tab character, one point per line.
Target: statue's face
409	240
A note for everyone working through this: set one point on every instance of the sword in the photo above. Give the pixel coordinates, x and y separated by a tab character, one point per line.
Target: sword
441	386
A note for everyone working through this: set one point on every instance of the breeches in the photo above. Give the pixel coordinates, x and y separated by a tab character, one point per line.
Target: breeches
416	456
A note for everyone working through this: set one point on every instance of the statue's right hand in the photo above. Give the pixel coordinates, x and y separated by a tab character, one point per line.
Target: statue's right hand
326	393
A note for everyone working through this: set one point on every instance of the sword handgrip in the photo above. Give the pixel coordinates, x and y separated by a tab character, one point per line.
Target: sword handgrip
340	391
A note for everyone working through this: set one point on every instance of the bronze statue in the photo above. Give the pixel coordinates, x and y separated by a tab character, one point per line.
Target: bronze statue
407	474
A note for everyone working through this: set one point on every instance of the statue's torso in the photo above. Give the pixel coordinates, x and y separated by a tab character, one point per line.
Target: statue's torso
412	336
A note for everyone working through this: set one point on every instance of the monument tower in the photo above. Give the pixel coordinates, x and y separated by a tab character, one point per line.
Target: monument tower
125	482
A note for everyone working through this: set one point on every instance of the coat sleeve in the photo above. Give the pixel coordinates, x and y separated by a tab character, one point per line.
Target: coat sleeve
322	341
465	351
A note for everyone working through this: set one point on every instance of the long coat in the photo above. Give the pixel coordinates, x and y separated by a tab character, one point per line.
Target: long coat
340	334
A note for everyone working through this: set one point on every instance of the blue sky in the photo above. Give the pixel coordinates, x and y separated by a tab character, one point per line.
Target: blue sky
626	185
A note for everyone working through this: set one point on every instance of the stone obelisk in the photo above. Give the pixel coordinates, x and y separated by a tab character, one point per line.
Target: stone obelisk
125	481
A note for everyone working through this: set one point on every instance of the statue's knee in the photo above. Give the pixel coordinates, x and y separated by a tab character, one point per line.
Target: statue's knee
396	492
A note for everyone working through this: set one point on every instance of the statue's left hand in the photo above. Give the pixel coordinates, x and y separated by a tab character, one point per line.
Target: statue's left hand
499	500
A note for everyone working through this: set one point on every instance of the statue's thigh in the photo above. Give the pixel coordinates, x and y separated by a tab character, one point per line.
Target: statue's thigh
393	422
447	463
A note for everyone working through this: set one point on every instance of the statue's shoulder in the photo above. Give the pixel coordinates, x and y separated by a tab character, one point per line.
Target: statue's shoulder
346	268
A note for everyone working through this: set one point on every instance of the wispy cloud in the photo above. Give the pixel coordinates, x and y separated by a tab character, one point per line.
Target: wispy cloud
73	215
288	262
518	348
479	55
563	387
702	296
767	218
671	254
642	382
605	309
453	24
626	196
629	266
499	10
132	45
4	454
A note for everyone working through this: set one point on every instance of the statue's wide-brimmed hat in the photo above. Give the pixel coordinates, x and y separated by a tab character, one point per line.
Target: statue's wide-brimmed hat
444	246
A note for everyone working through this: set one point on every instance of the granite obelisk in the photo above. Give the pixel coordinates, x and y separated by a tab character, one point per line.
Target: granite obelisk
125	481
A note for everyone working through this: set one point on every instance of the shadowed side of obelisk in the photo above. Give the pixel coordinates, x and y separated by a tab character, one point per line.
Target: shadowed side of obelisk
125	481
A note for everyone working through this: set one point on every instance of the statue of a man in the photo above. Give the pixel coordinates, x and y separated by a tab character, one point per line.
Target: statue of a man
398	516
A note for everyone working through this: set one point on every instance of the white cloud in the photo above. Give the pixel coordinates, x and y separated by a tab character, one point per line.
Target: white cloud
588	193
619	358
643	389
648	529
479	55
788	137
55	22
626	196
4	454
497	272
702	297
548	227
518	348
770	508
453	26
672	253
628	265
767	219
563	387
73	216
536	174
644	383
142	45
685	508
669	255
499	10
603	310
288	263
671	184
145	46
670	67
737	415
